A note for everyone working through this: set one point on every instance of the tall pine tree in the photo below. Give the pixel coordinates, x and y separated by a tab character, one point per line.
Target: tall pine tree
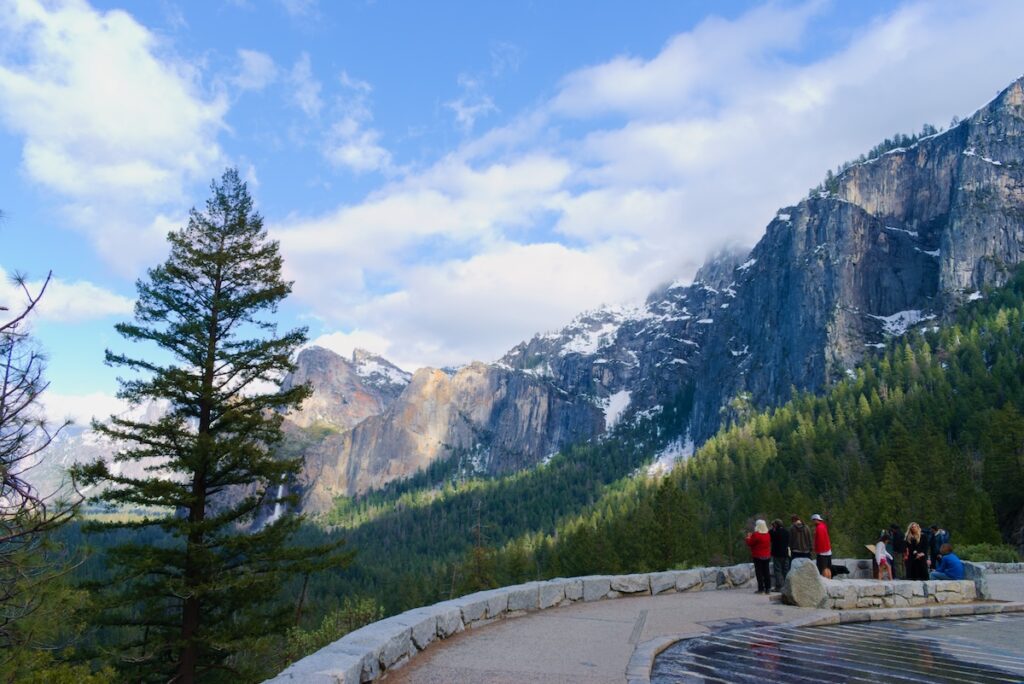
188	606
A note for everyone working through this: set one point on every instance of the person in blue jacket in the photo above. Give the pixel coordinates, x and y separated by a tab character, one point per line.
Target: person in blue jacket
950	566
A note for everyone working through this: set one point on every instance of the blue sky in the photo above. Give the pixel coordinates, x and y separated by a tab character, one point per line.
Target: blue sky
445	178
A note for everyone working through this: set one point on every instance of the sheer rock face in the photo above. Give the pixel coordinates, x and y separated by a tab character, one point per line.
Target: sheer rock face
503	420
898	241
905	237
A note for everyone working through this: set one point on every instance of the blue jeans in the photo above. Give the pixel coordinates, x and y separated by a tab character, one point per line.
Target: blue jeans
936	575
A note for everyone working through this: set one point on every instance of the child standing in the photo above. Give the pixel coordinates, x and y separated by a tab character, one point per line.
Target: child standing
883	558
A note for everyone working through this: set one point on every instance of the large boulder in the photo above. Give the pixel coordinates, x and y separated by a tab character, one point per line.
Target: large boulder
804	586
979	574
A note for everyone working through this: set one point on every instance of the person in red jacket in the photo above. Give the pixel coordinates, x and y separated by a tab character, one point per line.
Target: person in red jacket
760	544
822	546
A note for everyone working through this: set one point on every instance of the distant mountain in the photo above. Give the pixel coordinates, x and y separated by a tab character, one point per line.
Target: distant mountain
345	391
80	444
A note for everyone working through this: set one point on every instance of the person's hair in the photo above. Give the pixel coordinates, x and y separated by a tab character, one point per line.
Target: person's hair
794	518
885	536
946	548
935	527
777	522
910	531
760	526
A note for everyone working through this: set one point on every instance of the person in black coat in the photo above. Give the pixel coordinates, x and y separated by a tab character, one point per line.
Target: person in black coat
898	547
780	553
916	553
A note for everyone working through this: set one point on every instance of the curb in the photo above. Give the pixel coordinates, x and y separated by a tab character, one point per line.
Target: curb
642	662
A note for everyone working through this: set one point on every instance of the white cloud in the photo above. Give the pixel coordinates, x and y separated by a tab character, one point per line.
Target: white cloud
300	8
256	70
305	87
718	57
351	141
344	343
349	144
467	309
81	408
472	104
112	123
65	302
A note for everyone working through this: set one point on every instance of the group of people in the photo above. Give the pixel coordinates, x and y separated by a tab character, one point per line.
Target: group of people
917	554
774	549
914	555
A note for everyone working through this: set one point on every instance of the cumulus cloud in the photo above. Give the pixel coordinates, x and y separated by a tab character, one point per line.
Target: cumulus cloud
633	171
65	302
112	122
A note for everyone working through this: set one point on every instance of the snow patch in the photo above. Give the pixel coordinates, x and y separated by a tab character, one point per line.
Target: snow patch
746	264
367	368
783	217
931	253
973	153
901	321
975	296
614	406
706	321
745	350
911	233
679	450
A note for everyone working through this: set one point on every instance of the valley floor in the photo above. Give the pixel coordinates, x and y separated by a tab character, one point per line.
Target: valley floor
592	643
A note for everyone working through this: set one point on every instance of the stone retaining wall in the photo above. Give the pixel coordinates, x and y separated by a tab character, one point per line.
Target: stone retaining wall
806	588
1002	568
367	653
857	593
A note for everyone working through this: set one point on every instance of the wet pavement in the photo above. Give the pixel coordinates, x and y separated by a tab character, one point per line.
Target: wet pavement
973	649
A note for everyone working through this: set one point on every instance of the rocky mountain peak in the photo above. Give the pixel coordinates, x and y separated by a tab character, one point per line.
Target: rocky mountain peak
345	392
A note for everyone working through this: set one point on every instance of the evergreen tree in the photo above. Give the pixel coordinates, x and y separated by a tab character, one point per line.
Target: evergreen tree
202	595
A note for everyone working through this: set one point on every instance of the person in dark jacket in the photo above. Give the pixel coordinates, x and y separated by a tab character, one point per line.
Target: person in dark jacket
780	553
916	553
939	537
898	547
799	538
761	550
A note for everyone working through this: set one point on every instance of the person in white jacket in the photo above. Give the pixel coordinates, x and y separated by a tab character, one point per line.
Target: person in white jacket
883	558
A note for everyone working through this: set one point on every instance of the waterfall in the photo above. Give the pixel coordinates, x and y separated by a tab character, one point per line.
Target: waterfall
277	507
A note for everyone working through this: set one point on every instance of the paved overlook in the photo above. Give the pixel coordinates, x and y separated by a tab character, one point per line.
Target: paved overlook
689	634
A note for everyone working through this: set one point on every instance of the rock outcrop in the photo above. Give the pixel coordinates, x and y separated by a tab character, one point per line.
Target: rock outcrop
345	391
497	420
